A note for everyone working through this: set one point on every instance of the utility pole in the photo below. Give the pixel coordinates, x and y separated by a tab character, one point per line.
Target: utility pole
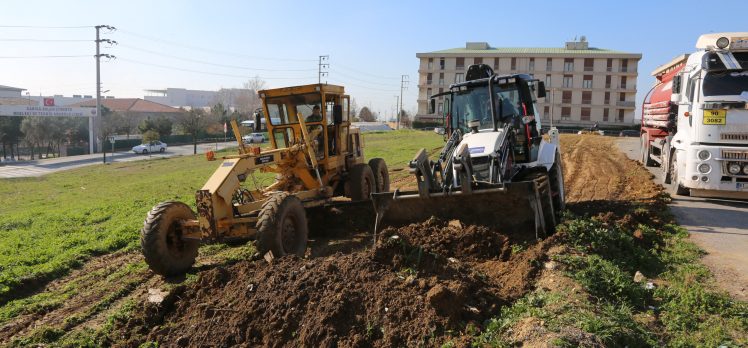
91	133
397	104
403	85
323	64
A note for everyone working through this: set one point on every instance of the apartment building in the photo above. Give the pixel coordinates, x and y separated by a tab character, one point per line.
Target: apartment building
585	85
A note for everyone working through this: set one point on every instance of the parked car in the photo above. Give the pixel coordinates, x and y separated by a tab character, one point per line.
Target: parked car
254	138
153	146
628	133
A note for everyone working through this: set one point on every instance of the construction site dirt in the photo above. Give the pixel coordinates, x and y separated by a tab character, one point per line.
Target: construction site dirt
418	285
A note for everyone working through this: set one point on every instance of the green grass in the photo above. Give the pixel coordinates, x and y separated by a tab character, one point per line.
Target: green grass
53	223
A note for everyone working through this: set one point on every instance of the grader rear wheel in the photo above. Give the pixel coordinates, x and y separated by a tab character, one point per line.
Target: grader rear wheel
161	239
282	226
361	182
381	175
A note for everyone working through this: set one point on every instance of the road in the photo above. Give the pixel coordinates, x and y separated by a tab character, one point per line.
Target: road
45	166
720	227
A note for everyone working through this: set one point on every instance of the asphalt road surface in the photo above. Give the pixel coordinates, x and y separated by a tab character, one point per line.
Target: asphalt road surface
720	227
45	166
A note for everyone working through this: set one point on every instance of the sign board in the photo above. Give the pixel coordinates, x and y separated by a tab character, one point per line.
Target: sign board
46	111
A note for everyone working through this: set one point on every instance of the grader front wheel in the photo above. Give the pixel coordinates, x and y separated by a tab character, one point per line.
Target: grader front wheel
282	226
161	239
361	182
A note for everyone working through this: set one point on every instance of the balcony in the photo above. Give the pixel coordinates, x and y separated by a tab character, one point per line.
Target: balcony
625	104
565	100
428	82
607	86
623	86
589	68
586	101
460	67
623	69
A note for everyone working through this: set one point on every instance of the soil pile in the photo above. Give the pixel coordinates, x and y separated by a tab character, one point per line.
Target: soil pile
419	286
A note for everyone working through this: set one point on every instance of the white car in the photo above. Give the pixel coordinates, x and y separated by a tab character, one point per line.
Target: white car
253	138
153	146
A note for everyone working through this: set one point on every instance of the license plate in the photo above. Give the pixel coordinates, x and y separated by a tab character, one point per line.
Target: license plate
740	186
715	116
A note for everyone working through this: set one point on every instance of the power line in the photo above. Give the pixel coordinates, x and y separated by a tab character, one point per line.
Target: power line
366	73
201	49
34	57
206	62
340	82
366	81
208	72
46	27
45	40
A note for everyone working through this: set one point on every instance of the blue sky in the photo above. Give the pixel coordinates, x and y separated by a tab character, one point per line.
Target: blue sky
370	43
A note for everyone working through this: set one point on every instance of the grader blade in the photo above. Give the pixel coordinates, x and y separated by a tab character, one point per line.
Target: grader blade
518	206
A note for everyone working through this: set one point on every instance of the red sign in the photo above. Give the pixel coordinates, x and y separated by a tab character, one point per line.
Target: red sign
49	101
225	128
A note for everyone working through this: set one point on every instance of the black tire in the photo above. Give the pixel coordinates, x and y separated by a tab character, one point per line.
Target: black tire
162	150
646	160
556	177
160	239
145	151
675	187
361	182
282	226
381	175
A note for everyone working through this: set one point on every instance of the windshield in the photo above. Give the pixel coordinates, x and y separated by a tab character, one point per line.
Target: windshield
474	104
283	110
726	83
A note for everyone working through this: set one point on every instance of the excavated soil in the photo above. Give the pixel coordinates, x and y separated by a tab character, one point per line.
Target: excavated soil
419	286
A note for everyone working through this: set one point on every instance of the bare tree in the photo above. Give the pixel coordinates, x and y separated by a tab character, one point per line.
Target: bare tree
247	99
405	119
354	107
192	122
110	122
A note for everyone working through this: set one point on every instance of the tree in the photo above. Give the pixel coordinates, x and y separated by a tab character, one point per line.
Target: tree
366	115
354	107
161	125
34	130
11	128
150	135
192	122
219	112
109	123
247	99
405	119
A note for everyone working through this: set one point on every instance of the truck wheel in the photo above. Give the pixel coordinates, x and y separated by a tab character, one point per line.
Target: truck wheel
381	175
557	187
646	160
282	226
361	182
675	187
161	239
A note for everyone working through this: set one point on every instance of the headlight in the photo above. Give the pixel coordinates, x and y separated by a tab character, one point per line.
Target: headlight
745	169
733	168
723	42
704	155
704	168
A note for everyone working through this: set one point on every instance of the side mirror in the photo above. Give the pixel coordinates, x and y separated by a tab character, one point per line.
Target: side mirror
337	114
541	89
432	106
676	84
258	121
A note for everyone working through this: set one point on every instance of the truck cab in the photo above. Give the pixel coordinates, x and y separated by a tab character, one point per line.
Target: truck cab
708	150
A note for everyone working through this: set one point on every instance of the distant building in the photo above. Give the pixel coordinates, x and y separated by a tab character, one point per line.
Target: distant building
585	84
7	92
190	98
61	100
134	109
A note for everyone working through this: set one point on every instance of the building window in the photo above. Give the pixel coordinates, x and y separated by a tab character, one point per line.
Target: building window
441	79
620	115
623	82
441	63
460	63
429	78
565	113
459	77
478	60
607	98
587	97
566	97
548	64
431	63
531	66
606	113
546	112
514	63
428	93
621	96
585	115
607	81
440	108
568	64
589	64
624	65
568	81
441	90
496	64
609	66
547	81
587	82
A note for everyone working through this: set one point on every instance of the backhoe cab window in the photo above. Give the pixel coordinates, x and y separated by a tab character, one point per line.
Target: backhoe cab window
474	104
283	110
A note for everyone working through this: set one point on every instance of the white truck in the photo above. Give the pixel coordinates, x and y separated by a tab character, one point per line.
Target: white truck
695	119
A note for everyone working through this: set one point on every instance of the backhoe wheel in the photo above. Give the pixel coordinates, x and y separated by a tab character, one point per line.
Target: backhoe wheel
381	175
161	239
556	176
282	226
361	182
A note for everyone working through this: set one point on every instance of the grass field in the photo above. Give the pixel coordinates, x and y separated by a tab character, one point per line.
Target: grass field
51	224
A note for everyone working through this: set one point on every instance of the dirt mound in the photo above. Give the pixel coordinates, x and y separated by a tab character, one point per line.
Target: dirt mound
430	278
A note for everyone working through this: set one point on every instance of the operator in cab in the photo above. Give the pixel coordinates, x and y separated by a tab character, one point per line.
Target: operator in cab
316	116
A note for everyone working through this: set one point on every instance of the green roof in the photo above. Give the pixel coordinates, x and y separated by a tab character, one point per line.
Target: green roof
529	50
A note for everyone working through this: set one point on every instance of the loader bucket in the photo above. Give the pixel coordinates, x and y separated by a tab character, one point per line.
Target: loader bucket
519	206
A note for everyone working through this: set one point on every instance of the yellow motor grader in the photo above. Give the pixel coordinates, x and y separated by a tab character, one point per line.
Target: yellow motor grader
317	157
